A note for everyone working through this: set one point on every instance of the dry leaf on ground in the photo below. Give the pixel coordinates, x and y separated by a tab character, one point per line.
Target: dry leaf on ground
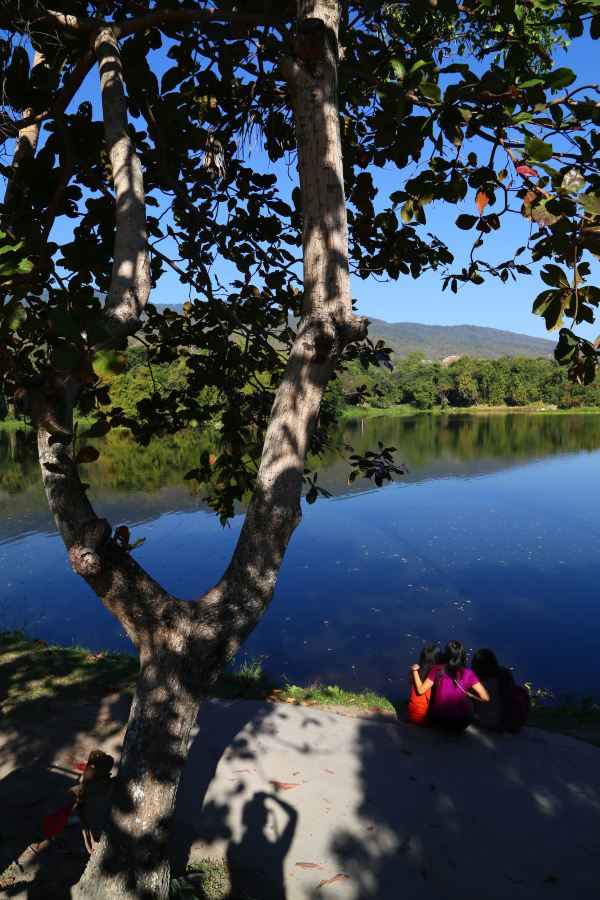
308	865
283	785
339	877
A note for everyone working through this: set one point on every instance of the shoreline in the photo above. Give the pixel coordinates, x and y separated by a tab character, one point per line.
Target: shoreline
356	413
34	672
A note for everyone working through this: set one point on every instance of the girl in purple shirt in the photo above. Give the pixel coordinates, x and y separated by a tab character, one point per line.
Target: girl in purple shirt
450	706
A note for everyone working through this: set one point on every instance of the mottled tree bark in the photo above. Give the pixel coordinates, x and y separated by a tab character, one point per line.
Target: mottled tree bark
25	147
183	647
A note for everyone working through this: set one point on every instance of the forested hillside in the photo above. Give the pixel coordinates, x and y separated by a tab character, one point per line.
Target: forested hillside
466	382
436	342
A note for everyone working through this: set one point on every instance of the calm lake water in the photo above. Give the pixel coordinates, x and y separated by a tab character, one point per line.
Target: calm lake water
492	537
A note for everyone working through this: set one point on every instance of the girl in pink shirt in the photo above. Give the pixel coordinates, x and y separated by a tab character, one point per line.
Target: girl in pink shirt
451	706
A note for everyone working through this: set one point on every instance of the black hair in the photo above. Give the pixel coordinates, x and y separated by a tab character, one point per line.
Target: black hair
484	663
455	656
430	656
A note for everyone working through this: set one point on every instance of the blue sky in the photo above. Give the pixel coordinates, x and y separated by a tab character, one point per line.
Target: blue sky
493	304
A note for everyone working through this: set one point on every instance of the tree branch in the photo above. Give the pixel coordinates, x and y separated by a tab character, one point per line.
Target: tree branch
9	128
326	326
167	17
130	283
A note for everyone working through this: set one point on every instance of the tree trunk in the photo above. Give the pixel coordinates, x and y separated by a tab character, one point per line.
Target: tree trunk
184	646
131	860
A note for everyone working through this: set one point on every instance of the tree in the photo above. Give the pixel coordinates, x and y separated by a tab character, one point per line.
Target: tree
369	85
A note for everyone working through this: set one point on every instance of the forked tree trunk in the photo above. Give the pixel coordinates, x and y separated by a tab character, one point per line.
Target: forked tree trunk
184	646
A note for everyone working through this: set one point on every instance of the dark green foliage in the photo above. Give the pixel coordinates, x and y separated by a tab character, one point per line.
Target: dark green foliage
508	381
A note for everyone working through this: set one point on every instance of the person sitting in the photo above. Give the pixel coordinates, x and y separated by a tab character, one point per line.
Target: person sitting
485	665
451	708
509	704
418	705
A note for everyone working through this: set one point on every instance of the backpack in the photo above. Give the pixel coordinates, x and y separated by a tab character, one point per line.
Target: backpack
516	704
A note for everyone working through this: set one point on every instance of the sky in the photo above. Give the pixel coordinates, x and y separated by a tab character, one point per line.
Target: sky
493	304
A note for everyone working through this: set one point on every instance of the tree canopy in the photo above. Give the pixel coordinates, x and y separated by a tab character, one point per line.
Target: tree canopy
463	101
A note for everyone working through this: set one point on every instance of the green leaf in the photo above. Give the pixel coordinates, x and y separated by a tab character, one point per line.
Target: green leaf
560	78
538	150
108	362
591	203
466	222
543	216
16	317
554	276
98	429
420	63
171	79
54	468
542	302
87	454
431	91
62	325
65	356
398	67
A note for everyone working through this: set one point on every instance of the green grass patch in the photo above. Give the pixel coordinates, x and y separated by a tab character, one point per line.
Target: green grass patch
248	680
332	695
374	412
563	715
403	410
207	879
33	672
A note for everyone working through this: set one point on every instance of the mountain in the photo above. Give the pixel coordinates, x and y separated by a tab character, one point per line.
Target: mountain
438	341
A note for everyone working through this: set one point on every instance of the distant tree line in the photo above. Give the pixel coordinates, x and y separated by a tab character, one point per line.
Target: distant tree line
465	382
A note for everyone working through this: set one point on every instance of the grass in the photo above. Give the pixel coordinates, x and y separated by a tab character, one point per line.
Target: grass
563	715
31	670
373	412
207	879
332	695
403	410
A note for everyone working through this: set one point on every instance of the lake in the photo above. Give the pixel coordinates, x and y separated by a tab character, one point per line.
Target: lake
492	538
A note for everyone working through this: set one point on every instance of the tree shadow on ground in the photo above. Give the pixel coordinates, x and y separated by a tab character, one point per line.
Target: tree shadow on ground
494	815
392	809
57	705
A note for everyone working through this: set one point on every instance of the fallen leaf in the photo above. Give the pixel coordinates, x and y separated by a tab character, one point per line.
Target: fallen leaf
370	827
308	865
329	772
277	691
339	877
283	785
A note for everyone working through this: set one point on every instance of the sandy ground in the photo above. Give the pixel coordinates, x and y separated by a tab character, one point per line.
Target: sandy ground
294	796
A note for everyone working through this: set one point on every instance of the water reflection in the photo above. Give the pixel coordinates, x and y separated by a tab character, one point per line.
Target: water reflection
508	560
